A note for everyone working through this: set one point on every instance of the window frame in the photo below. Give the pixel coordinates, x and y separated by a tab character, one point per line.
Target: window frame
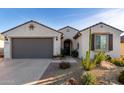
107	45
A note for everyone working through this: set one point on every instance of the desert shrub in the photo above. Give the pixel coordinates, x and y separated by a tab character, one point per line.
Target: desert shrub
122	57
88	79
87	63
121	77
108	58
100	57
62	53
64	65
74	53
118	61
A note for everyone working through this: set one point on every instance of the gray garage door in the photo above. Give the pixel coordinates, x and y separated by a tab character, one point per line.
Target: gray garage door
32	47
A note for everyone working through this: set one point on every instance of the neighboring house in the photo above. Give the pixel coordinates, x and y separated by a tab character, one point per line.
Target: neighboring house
122	46
35	40
1	44
104	37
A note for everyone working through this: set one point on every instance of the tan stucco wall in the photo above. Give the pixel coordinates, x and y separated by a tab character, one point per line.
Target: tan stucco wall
122	49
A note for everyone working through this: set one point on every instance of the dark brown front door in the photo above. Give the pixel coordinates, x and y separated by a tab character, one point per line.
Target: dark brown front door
67	47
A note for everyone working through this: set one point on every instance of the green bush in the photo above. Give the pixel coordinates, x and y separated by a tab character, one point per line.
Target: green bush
64	65
74	53
108	58
118	62
100	57
121	77
87	63
88	79
62	53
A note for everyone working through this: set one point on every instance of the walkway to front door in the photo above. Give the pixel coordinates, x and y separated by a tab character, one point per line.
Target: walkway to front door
66	59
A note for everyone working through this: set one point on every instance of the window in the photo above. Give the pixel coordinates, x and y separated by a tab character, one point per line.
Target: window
101	42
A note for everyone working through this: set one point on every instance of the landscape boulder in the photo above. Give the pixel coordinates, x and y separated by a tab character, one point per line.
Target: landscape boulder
71	81
107	65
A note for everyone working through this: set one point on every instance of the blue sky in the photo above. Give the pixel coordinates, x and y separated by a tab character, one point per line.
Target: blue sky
60	17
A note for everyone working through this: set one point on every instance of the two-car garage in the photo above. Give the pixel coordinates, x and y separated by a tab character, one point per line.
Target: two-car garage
32	47
32	40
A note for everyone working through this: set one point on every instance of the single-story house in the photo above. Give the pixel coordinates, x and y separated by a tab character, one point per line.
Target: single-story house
35	40
122	46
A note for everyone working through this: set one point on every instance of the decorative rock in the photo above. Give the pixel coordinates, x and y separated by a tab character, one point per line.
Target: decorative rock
107	65
112	83
72	81
103	82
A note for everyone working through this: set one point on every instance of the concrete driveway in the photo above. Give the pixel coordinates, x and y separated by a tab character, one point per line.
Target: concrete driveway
21	71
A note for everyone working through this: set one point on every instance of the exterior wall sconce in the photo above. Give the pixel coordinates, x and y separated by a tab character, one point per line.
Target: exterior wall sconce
31	27
62	36
6	39
56	38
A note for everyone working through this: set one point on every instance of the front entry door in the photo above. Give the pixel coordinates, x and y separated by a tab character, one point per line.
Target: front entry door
67	47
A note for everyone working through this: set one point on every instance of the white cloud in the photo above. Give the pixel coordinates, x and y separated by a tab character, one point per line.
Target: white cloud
113	17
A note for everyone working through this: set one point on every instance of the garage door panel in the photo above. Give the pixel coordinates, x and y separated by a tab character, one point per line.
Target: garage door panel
32	47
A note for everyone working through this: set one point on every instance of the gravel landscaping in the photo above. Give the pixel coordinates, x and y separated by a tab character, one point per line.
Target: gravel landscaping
107	77
103	76
54	70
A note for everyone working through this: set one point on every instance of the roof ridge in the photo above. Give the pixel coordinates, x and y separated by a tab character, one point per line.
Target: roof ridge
69	27
100	23
27	23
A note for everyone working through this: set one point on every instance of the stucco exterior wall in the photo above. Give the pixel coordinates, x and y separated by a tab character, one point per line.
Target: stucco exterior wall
122	49
38	32
69	33
84	41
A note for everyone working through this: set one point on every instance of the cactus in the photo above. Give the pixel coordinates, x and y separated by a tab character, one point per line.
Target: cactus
90	41
87	64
